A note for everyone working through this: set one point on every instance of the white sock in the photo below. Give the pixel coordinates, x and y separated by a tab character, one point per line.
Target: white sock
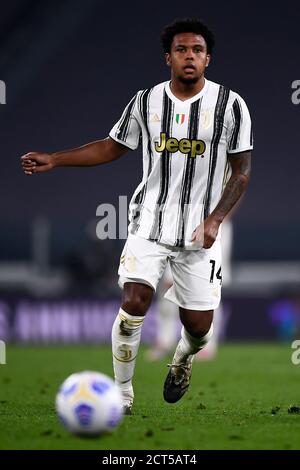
126	335
218	326
167	322
188	346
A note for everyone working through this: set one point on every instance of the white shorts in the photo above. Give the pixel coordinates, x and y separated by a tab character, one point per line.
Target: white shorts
196	273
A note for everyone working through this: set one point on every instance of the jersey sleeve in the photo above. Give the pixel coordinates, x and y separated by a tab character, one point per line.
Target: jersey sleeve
127	130
239	134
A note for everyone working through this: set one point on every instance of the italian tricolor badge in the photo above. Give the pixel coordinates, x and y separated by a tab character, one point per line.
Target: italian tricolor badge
180	118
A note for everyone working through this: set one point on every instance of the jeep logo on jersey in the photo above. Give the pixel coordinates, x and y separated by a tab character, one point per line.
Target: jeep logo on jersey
186	146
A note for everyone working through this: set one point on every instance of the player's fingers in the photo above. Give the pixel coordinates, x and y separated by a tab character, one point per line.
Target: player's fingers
208	242
28	172
28	163
29	167
28	156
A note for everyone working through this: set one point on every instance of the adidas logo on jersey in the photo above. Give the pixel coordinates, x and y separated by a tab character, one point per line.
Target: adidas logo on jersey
155	118
185	146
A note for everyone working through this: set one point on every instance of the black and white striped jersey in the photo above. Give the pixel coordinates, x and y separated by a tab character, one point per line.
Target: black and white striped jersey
185	166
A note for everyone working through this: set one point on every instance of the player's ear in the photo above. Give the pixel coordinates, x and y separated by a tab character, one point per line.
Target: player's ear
208	57
168	59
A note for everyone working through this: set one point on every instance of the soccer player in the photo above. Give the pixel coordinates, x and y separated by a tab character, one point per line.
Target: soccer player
197	139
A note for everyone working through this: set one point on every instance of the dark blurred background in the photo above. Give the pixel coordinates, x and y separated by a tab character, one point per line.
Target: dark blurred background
70	67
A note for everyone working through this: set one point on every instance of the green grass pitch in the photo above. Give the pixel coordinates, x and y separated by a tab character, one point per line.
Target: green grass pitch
238	401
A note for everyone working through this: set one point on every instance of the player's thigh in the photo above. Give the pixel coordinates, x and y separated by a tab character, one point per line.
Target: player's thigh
142	261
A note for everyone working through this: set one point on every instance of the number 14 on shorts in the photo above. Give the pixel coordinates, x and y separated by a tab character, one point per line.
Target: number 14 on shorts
213	270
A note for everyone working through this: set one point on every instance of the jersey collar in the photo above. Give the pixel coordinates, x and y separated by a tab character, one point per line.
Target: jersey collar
189	100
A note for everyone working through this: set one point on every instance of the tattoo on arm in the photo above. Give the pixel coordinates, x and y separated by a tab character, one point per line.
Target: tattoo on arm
237	184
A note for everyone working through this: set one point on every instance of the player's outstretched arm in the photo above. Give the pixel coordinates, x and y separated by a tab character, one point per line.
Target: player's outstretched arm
94	153
234	189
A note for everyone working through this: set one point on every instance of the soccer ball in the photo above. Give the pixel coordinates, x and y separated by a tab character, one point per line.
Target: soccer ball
89	403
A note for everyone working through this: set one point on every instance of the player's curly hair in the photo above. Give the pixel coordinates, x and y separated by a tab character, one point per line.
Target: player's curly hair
186	25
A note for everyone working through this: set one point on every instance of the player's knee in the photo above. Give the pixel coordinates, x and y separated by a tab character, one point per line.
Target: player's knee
198	327
198	331
136	299
137	305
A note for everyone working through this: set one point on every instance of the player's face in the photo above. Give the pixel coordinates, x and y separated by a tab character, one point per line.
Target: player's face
188	58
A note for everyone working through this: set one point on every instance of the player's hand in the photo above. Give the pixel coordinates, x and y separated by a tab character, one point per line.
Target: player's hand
206	233
35	162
